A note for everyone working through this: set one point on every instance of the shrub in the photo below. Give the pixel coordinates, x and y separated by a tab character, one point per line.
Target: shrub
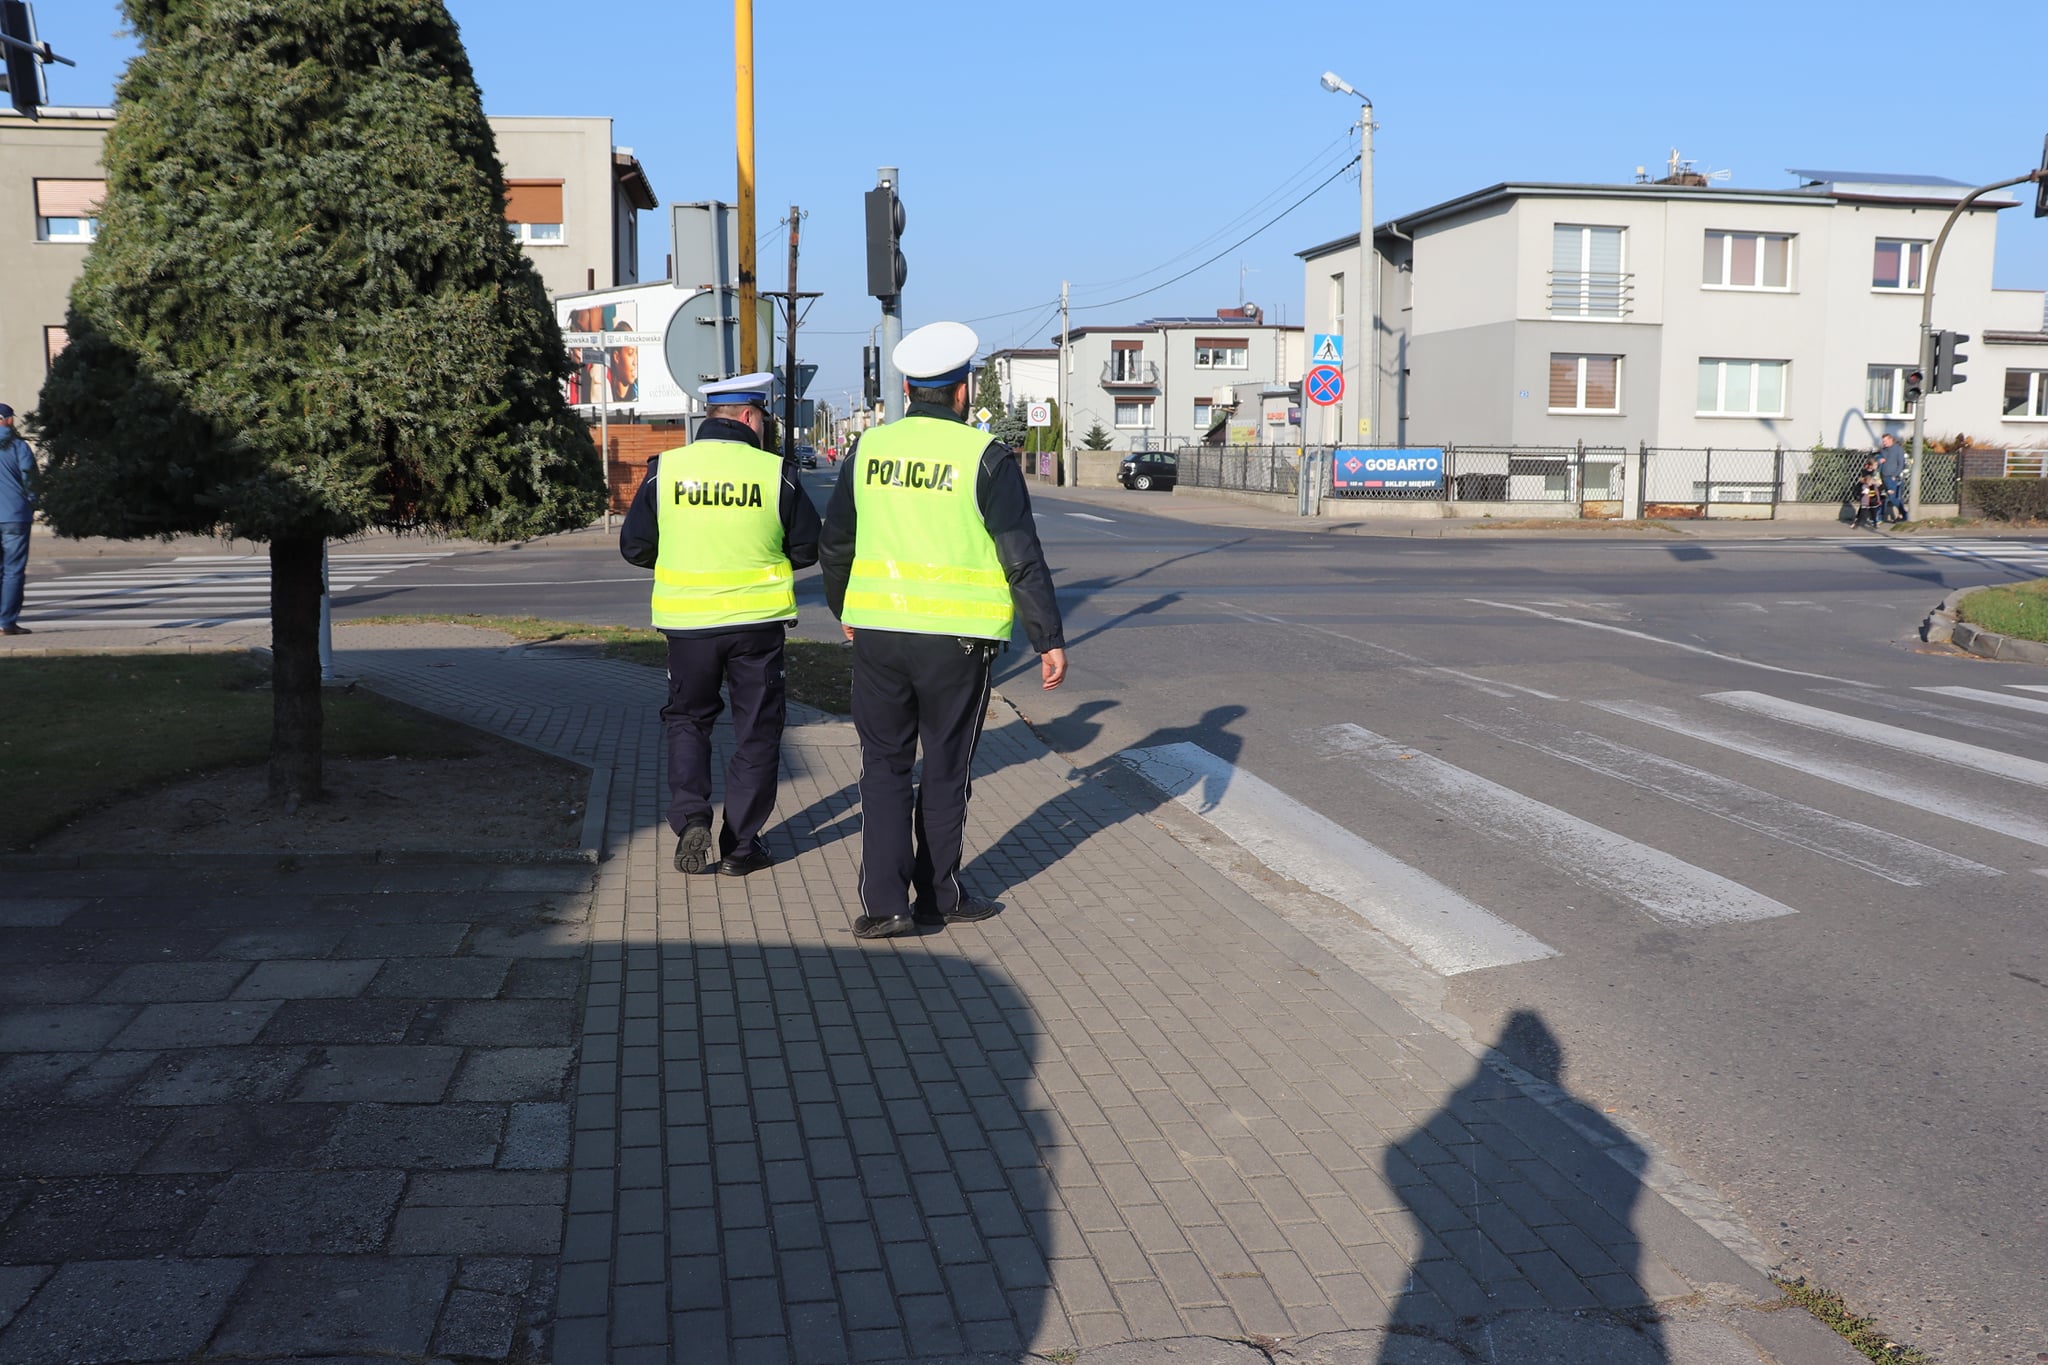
2006	499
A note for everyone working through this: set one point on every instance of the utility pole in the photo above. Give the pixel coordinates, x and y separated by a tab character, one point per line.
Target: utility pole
1059	470
791	321
1927	332
789	394
743	98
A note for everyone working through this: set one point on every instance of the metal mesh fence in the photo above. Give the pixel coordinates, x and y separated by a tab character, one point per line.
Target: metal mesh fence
1248	469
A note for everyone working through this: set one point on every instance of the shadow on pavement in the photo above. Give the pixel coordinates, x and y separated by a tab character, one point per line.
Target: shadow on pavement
1488	1234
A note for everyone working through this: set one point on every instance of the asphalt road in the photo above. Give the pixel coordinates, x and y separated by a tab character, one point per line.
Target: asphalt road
1786	903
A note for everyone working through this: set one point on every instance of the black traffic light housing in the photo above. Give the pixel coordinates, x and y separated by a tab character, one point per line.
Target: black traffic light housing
1915	386
886	268
24	70
1948	361
870	375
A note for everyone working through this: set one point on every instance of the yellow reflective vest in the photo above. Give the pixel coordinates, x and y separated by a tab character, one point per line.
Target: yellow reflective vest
719	560
924	562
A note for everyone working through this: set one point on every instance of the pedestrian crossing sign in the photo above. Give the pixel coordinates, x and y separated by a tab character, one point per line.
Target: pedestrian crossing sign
1329	349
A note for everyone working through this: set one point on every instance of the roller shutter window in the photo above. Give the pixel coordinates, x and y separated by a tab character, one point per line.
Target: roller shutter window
68	210
533	209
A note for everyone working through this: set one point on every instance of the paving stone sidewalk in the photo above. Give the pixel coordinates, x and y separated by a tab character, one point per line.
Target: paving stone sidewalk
623	1115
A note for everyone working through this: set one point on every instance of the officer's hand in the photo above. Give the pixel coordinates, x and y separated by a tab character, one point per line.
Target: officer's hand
1052	668
848	630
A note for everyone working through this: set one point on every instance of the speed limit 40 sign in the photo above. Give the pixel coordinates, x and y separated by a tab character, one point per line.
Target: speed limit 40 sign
1038	414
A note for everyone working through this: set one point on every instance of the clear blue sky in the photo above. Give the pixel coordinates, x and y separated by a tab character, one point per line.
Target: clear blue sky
1116	145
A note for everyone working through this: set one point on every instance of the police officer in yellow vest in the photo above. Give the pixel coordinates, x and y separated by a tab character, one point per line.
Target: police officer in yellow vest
725	526
929	554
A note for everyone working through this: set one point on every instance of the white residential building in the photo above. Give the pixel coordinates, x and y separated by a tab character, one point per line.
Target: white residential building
1683	315
1170	382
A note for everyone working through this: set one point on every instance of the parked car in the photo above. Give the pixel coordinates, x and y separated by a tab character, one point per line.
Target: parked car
806	457
1143	469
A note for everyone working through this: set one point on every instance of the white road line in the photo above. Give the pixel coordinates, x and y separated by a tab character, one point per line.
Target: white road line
1665	887
1990	697
1854	775
1442	929
2010	766
2029	687
1090	516
1421	665
1876	851
1660	640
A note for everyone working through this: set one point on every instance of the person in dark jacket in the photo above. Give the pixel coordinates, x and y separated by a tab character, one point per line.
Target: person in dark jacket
929	556
17	514
724	525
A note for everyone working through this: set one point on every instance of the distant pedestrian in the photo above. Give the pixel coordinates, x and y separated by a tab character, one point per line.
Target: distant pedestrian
17	513
725	526
929	553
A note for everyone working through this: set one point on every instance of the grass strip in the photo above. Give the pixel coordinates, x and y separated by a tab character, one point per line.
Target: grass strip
88	729
1860	1332
819	673
2019	610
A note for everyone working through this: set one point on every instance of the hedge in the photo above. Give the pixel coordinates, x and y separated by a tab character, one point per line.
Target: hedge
2006	499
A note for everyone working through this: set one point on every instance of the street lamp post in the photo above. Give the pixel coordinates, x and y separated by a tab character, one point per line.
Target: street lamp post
1363	366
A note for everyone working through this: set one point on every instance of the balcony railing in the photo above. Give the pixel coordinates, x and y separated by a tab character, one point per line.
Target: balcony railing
1594	294
1130	374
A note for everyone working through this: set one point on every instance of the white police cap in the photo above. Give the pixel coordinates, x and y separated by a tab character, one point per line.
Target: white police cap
741	388
937	354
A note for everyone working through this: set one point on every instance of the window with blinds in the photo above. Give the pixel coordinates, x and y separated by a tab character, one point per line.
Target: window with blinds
1585	383
1222	353
68	210
1588	272
1747	260
533	210
1742	388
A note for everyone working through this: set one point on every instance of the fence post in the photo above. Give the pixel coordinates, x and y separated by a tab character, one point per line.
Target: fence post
1450	485
1633	490
1577	491
1777	479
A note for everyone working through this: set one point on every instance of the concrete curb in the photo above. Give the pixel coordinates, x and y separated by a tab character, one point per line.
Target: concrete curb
1945	626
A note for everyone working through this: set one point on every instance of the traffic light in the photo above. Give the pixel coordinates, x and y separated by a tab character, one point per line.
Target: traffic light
24	71
870	375
1915	385
1948	361
886	270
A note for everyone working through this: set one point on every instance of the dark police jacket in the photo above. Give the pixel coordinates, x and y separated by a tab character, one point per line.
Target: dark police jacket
640	532
1005	503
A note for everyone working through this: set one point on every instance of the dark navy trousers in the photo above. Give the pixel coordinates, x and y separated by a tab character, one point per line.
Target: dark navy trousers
912	691
748	664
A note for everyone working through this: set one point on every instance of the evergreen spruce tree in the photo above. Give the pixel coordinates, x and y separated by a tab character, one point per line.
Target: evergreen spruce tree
1012	425
988	393
304	318
1096	438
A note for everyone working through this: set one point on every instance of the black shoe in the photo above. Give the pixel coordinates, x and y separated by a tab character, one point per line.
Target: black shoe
15	630
883	926
970	910
740	864
693	848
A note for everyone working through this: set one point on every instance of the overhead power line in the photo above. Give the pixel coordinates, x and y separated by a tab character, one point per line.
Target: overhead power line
1111	303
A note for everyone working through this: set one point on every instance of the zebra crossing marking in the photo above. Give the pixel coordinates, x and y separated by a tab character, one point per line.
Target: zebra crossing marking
211	590
1878	852
1858	776
1442	929
2011	766
1990	698
1665	887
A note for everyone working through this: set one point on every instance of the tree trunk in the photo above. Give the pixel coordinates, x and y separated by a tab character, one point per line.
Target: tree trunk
295	586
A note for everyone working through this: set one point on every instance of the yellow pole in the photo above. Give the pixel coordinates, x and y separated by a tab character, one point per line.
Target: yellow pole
743	95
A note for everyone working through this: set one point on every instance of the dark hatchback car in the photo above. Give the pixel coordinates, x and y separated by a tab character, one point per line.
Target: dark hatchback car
807	457
1143	469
